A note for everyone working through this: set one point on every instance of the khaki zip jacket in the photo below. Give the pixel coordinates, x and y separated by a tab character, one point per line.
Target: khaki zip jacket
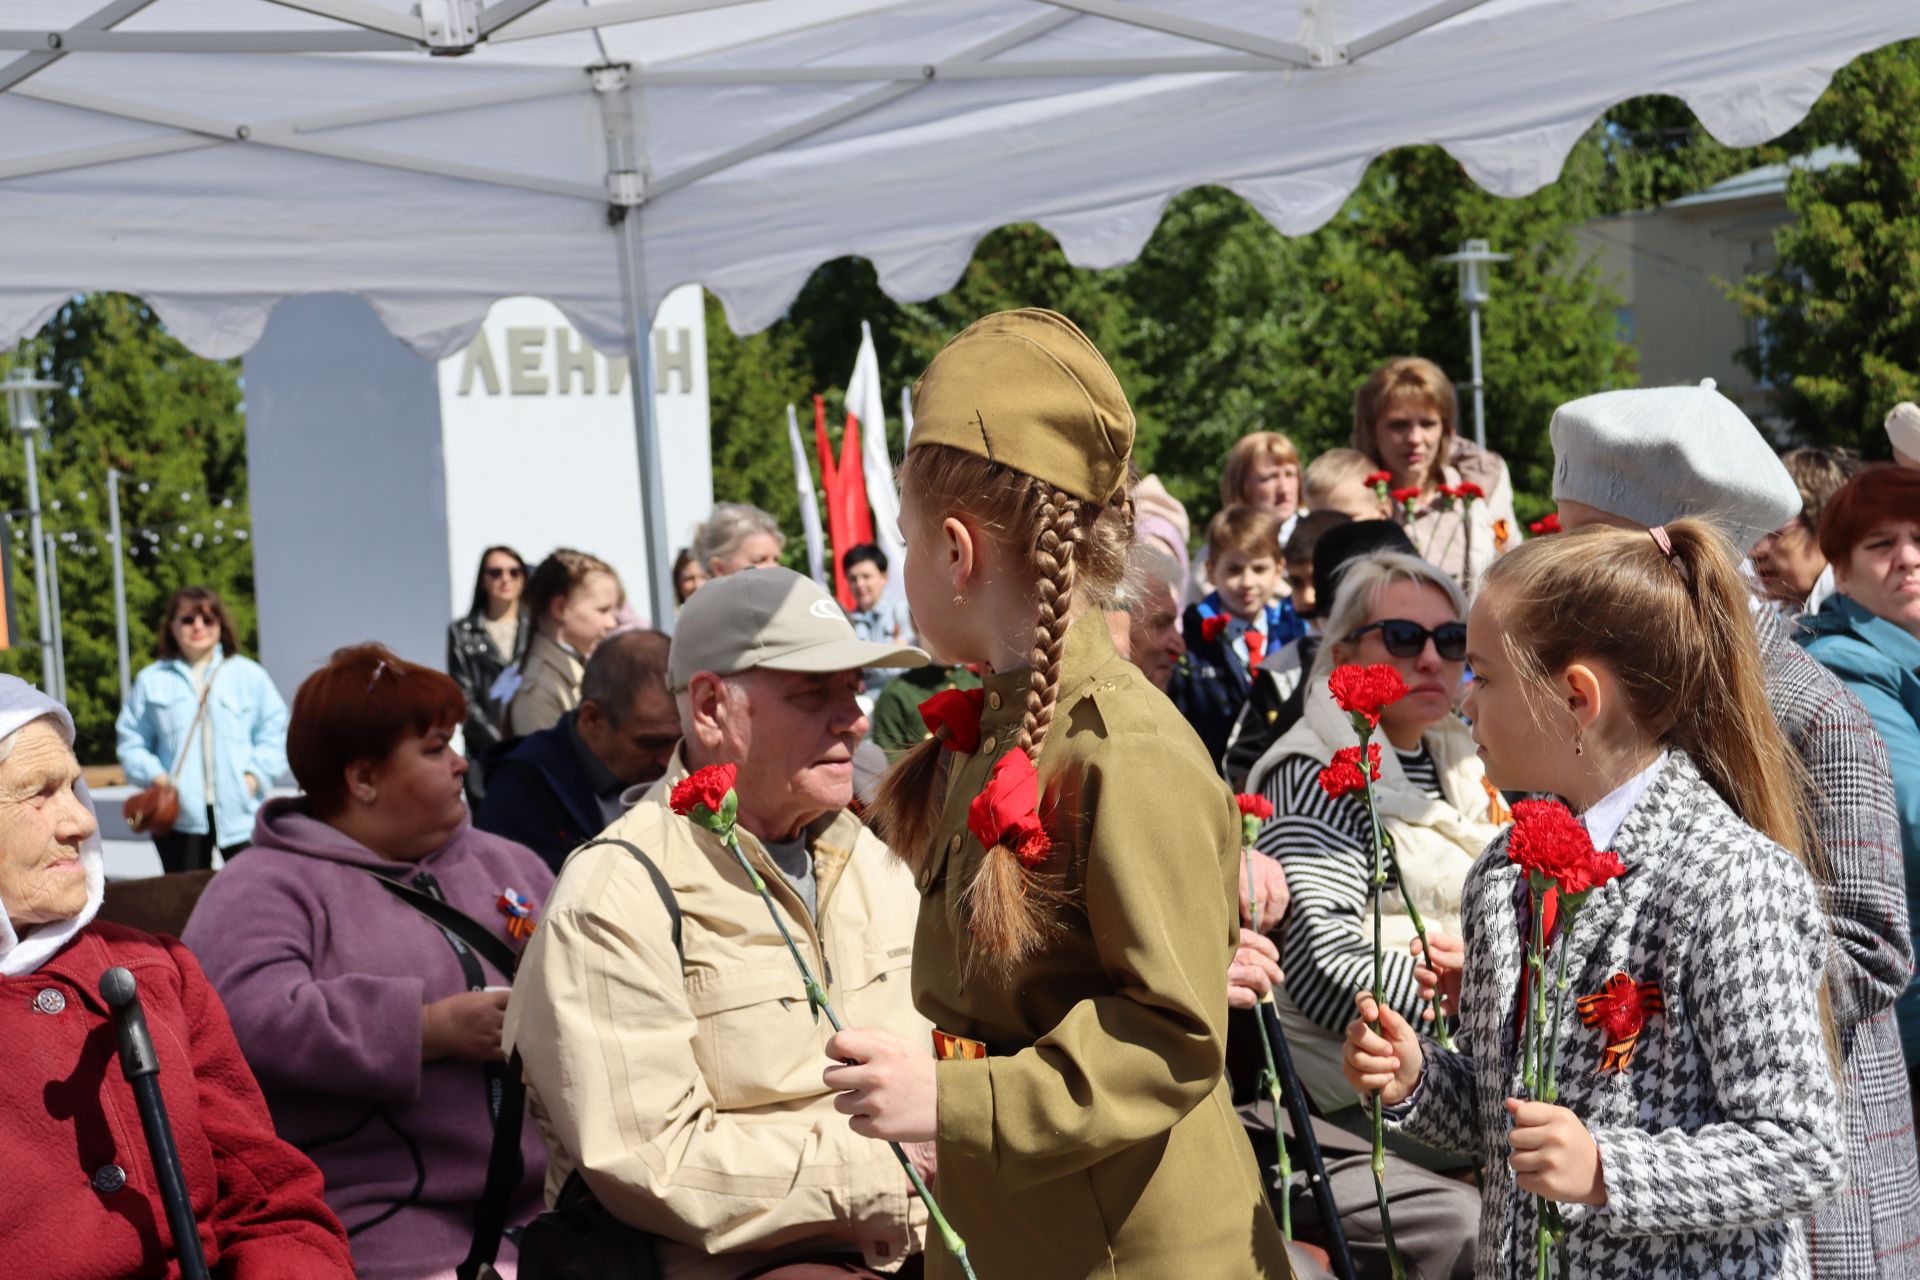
689	1093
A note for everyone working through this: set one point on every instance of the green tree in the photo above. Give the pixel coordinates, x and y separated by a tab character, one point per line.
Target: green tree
135	400
1840	309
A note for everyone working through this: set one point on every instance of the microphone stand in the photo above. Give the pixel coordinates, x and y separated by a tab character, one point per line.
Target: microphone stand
1338	1250
141	1065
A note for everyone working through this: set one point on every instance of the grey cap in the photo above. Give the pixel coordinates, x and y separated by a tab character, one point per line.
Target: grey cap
1657	454
775	619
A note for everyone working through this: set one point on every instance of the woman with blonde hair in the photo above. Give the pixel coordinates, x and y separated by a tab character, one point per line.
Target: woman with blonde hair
1262	470
1390	608
1454	497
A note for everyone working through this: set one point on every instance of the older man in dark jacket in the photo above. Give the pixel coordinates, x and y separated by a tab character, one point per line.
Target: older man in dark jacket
554	790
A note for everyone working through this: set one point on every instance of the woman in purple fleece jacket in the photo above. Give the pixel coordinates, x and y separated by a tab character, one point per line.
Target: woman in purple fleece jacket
371	1036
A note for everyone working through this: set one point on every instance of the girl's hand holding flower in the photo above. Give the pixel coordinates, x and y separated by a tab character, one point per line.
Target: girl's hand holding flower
1385	1061
1553	1154
884	1084
1438	971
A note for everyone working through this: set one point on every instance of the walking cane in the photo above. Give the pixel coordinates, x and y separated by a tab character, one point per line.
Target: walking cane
1316	1167
141	1066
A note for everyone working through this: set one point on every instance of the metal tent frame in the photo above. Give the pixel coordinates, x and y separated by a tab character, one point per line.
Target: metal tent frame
454	28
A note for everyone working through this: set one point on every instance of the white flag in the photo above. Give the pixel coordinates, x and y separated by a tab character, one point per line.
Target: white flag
809	502
865	402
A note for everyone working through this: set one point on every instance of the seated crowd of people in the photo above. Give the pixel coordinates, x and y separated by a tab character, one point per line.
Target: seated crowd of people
484	884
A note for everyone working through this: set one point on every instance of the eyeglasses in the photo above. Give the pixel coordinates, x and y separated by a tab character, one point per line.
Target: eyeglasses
1406	639
196	619
504	571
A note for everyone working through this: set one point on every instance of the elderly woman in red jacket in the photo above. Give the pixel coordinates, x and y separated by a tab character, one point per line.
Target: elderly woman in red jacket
80	1198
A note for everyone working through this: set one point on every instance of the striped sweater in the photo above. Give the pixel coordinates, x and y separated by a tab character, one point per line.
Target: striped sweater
1326	847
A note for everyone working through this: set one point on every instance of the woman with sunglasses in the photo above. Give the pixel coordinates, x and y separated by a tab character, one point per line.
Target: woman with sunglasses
492	636
1434	803
208	721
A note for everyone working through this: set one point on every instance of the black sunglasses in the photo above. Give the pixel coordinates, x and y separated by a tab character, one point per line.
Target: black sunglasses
504	571
1406	639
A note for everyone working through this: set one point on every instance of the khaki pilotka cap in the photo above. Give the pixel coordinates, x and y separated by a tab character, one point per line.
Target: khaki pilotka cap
772	618
1025	388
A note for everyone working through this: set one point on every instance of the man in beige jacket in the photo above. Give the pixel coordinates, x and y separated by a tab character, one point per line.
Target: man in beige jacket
683	1081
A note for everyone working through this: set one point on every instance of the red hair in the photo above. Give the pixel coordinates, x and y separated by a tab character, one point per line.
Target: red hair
358	707
1879	493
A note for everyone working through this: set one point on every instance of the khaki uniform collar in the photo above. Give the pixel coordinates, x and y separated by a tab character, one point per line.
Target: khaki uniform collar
1089	648
830	838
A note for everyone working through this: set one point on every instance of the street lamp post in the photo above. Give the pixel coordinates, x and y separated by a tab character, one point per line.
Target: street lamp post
1475	289
23	410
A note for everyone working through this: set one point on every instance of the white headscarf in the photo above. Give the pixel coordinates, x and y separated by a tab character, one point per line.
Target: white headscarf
20	705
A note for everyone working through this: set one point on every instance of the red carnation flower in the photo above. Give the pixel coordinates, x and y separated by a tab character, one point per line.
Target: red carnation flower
1362	691
1007	810
1547	840
1467	491
1379	480
1549	523
1254	806
1343	777
958	712
1213	628
1406	496
706	789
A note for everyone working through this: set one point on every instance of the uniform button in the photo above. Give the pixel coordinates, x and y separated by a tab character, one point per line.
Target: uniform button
50	1000
953	844
109	1178
993	700
987	744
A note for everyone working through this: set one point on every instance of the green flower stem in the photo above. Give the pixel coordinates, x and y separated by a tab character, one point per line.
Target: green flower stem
1441	1036
1398	1268
817	1000
1272	1078
1451	534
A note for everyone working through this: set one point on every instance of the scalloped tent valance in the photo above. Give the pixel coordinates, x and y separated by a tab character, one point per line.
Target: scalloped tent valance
215	156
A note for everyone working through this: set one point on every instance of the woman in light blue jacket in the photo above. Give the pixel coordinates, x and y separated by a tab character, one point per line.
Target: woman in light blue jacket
222	768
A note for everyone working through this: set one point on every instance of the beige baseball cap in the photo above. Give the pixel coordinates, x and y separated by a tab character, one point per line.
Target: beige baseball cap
772	618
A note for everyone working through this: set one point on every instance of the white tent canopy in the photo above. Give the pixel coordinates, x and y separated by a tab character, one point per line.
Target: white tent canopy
215	156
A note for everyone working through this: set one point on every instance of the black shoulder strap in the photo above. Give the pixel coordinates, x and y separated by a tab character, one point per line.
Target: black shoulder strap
504	1163
660	886
484	941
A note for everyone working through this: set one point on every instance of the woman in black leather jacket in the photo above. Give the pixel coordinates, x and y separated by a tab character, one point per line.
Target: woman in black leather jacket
480	646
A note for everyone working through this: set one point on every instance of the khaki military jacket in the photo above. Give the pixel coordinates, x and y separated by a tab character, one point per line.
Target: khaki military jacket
549	686
1097	1137
689	1093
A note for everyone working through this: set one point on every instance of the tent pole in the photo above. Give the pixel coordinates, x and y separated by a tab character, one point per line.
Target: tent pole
646	418
627	178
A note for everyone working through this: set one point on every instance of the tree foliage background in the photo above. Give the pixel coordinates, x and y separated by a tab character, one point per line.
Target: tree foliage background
1841	306
137	401
1224	326
1220	327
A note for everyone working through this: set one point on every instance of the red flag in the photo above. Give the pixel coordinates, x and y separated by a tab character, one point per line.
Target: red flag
848	522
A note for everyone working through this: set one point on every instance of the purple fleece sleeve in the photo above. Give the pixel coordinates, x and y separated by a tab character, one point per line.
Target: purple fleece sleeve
355	1035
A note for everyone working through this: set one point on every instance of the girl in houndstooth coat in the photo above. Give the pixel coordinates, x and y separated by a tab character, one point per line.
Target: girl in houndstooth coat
1618	670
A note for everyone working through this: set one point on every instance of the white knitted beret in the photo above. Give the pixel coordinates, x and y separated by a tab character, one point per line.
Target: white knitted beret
1657	454
1903	428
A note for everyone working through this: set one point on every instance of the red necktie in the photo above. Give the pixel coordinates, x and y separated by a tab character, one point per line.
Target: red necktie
1256	645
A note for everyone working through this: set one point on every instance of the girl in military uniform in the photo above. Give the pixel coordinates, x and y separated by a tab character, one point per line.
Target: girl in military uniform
1075	852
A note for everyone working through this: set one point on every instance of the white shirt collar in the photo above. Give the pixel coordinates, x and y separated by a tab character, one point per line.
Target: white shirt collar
1603	819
